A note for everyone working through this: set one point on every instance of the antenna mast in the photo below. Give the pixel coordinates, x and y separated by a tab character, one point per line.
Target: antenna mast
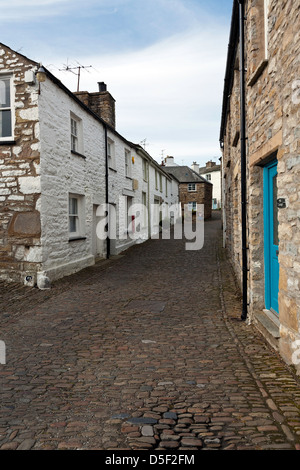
78	67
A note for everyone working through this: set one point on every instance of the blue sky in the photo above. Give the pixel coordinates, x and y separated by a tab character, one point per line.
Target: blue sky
163	61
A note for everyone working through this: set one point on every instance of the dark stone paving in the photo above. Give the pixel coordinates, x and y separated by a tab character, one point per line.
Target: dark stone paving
146	351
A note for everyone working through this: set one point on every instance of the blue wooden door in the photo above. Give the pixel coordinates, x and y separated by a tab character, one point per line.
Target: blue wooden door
271	240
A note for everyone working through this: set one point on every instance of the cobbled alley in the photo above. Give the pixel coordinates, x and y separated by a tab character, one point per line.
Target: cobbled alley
145	351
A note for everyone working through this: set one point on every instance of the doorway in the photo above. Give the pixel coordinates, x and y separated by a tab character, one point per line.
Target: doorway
271	240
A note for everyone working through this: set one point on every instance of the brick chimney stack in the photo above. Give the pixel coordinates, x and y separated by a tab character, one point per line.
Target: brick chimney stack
210	164
101	103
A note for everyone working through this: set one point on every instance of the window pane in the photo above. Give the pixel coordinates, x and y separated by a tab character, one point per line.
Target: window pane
5	123
73	143
73	127
5	93
73	223
73	206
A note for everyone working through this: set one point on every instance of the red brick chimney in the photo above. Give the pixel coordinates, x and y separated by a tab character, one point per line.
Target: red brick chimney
100	102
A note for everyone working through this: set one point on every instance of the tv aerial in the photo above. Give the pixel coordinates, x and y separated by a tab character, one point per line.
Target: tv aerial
78	67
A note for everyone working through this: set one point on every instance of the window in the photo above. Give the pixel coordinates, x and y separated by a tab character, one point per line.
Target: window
145	174
258	57
111	154
76	134
127	164
156	180
144	215
192	187
166	187
76	216
208	177
5	108
160	183
192	206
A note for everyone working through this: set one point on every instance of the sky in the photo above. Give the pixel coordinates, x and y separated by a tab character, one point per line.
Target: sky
163	62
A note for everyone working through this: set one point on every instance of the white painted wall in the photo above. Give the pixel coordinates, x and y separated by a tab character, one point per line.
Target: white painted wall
62	173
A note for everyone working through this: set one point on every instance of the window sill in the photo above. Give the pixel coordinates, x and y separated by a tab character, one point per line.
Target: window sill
129	177
8	142
78	154
259	70
112	169
74	239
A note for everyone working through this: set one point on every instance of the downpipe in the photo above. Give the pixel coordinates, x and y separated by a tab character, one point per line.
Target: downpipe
243	161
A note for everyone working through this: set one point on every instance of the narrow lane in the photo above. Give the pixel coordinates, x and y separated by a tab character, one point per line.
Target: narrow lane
146	351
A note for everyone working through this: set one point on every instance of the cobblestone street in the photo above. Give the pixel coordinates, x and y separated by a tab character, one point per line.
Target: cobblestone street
143	351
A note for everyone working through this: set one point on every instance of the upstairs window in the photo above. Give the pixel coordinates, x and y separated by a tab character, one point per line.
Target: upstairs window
111	154
192	187
258	35
208	177
76	134
5	108
145	174
127	164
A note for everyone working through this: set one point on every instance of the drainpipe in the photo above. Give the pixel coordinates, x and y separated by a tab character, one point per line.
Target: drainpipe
106	194
243	160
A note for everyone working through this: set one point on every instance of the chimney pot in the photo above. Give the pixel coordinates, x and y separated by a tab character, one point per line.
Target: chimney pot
102	86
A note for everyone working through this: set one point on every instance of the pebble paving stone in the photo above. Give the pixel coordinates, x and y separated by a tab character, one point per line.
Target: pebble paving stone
144	351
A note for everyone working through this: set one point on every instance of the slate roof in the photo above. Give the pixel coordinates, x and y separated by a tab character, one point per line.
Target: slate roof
184	174
203	170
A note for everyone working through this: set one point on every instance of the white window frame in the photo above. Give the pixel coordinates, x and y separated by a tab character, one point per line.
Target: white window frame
78	214
127	164
208	177
192	187
7	76
76	134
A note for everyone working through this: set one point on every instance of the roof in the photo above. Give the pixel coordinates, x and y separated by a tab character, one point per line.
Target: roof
184	174
203	170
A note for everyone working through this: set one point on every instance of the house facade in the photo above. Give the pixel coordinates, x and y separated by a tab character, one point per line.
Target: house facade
68	179
212	172
261	166
194	190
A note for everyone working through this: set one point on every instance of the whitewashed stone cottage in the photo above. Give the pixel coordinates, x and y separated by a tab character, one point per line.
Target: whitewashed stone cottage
61	159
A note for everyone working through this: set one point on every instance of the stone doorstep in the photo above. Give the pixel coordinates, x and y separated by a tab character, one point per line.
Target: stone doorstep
268	325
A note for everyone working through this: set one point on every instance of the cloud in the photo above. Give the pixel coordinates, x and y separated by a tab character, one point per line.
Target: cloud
169	93
33	10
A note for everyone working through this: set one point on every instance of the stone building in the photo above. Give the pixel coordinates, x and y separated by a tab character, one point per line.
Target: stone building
261	166
193	189
62	161
212	172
